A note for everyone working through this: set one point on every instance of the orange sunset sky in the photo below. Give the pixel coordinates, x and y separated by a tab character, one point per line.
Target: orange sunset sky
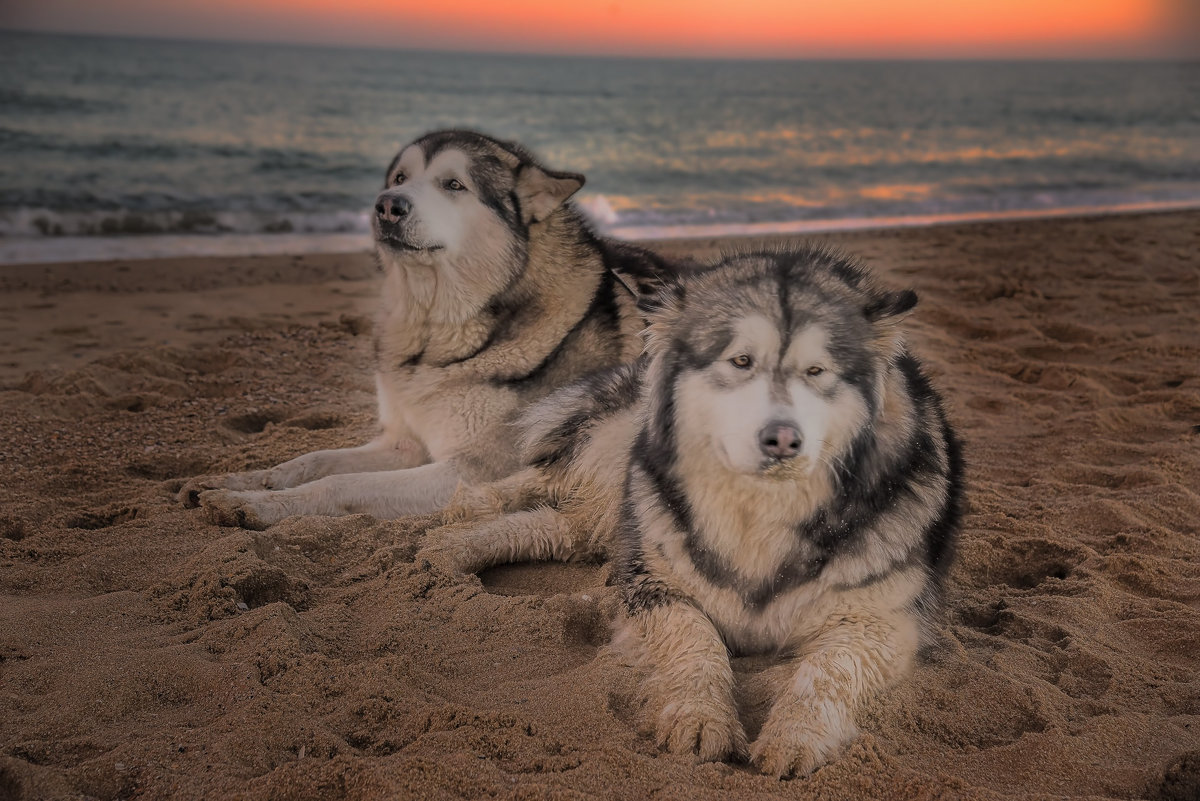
751	28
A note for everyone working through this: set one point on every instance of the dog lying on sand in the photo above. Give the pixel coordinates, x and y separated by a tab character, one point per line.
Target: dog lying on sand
495	293
775	474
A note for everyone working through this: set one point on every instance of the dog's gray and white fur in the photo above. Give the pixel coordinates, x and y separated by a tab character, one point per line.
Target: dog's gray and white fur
495	292
775	474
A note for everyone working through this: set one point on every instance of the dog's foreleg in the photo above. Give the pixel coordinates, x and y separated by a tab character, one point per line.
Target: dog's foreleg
813	717
690	682
388	494
530	536
381	454
519	491
396	448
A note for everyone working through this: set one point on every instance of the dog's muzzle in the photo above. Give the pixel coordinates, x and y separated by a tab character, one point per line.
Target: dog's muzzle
392	213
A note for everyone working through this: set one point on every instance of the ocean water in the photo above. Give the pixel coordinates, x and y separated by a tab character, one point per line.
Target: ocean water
125	146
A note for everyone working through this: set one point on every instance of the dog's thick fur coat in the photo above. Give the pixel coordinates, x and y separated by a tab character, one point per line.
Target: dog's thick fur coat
775	474
495	292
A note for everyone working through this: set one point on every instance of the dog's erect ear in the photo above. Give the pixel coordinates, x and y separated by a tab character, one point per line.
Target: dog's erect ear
542	191
885	310
661	302
890	306
661	310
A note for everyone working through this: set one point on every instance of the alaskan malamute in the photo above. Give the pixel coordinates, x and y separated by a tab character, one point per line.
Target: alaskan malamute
495	292
775	474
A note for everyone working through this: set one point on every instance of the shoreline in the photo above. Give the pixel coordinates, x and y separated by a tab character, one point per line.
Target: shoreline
18	252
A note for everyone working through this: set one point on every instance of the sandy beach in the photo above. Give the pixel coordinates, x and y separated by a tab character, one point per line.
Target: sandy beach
146	653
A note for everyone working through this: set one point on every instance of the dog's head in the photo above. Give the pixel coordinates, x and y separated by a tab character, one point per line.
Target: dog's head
773	362
465	201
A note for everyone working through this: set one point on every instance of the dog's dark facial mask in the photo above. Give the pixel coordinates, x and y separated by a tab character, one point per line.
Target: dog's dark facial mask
771	370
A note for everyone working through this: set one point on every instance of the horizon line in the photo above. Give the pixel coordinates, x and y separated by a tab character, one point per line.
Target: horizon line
1029	57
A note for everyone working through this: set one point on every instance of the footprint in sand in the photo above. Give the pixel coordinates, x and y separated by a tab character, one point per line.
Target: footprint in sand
541	578
14	529
93	520
571	591
1071	333
254	421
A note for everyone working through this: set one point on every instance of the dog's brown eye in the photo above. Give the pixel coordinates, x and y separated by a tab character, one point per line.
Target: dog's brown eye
742	362
399	179
455	185
815	370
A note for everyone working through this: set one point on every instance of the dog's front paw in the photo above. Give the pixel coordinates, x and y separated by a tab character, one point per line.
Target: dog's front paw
189	495
474	502
255	510
448	560
707	731
450	550
796	745
295	472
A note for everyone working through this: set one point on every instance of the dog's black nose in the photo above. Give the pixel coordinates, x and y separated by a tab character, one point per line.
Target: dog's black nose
393	209
779	440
